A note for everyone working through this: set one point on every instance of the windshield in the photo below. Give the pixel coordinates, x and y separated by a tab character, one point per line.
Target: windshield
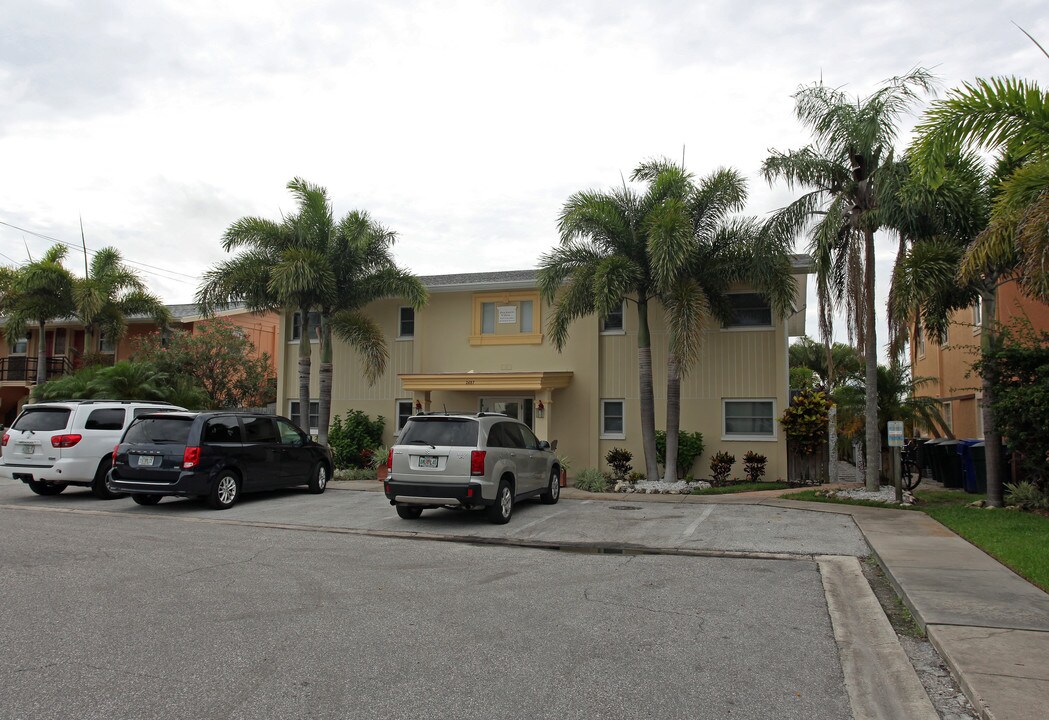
455	432
42	419
159	431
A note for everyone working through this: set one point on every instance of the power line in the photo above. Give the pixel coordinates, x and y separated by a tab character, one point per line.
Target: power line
94	252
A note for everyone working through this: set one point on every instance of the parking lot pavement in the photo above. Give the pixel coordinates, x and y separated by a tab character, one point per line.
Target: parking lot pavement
122	615
668	527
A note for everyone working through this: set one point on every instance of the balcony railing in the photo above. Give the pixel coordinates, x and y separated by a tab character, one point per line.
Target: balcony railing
22	368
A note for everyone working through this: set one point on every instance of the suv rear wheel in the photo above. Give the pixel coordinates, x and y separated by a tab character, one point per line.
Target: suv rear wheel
409	512
500	511
225	492
43	488
98	486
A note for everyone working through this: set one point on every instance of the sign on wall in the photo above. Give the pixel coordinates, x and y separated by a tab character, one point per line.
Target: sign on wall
507	314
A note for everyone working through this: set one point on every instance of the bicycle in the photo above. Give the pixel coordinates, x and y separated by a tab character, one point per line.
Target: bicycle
910	472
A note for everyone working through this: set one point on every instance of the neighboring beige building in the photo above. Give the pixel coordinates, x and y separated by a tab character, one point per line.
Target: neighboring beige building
949	365
64	346
481	344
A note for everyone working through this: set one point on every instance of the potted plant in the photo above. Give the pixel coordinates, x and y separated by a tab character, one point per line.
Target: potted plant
565	463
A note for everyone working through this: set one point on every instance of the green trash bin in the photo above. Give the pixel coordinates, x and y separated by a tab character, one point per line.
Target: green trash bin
979	453
950	463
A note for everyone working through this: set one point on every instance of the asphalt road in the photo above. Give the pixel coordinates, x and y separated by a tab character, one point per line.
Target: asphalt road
109	610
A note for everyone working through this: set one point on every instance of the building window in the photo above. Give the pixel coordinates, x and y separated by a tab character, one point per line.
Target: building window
749	310
510	318
20	346
947	413
404	411
749	420
60	341
105	344
612	426
315	326
314	417
920	342
612	323
406	323
977	315
946	336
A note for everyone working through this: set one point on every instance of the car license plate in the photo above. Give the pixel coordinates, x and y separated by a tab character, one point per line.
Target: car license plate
146	460
25	449
427	461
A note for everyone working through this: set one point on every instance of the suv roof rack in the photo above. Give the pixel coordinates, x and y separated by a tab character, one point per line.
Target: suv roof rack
91	401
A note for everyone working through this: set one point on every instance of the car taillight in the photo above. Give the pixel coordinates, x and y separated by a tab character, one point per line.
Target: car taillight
191	457
115	454
477	462
65	441
6	436
389	456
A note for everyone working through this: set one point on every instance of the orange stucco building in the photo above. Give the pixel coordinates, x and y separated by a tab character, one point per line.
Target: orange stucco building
949	365
64	346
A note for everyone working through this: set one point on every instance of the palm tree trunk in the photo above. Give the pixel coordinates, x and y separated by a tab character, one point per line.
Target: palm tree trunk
324	404
648	400
871	391
304	370
991	437
41	357
670	468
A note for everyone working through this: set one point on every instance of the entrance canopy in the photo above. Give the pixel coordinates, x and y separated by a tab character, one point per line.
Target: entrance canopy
486	381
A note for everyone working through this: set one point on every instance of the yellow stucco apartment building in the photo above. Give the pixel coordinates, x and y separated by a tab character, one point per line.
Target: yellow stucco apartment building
481	344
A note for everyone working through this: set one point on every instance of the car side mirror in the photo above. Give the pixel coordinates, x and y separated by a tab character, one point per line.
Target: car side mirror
544	445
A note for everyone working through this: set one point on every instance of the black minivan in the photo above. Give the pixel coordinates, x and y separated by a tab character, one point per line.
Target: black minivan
215	455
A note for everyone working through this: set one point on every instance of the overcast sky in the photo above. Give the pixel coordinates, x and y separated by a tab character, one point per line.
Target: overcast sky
463	126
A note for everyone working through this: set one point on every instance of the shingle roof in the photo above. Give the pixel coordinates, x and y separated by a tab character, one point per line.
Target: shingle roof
521	278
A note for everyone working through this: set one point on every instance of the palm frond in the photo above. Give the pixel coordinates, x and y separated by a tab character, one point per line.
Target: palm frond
365	337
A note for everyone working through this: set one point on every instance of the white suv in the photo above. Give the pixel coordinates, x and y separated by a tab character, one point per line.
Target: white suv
485	460
52	445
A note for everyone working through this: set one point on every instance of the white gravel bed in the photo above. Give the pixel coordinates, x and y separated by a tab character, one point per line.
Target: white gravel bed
681	487
885	494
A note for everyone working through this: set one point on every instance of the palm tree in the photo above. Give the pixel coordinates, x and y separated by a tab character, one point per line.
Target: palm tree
365	271
697	253
602	262
1008	116
39	292
844	361
854	140
283	267
108	294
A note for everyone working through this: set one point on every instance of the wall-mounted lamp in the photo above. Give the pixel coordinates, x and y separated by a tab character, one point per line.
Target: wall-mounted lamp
418	407
539	409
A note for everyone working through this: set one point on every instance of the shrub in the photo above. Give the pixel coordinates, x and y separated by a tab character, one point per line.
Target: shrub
1026	495
353	441
720	468
805	421
619	460
354	474
635	477
689	448
754	466
591	480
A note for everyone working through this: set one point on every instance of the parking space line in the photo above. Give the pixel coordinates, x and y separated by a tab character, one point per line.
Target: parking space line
542	519
692	528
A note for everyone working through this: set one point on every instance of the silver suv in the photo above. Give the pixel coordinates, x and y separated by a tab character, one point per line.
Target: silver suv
52	445
485	460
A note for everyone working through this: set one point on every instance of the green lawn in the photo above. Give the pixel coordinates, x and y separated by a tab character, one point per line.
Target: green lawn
1018	540
741	488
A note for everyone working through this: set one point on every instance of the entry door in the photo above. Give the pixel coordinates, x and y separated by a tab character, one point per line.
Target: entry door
515	407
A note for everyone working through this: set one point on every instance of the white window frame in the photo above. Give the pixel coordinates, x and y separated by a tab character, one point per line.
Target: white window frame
977	316
750	328
947	413
921	343
614	435
401	335
621	330
728	437
20	342
295	330
397	413
293	416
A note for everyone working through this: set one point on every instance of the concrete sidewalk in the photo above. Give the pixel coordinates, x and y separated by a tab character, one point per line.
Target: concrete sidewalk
990	625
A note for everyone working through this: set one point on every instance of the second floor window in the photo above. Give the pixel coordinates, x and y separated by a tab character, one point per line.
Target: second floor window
506	319
20	346
749	310
406	323
612	323
315	326
105	344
